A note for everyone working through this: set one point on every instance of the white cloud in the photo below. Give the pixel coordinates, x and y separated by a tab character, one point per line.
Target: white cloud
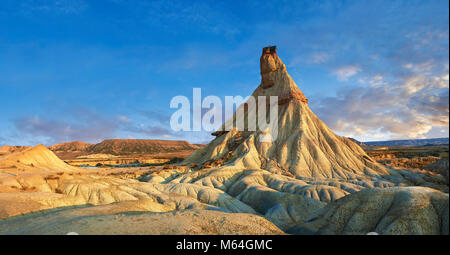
319	57
89	127
345	72
406	108
408	66
123	119
423	68
376	80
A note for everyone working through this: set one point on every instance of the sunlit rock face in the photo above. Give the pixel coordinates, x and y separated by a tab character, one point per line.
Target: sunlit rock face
400	210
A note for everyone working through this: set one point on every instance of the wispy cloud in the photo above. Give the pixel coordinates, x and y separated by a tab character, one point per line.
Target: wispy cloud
319	57
154	125
123	119
154	115
408	108
79	124
90	126
190	15
52	6
151	131
345	72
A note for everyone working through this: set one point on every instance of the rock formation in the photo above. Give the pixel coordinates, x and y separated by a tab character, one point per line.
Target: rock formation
304	147
441	166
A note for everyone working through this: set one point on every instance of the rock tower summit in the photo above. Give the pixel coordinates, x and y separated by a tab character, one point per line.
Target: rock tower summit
275	79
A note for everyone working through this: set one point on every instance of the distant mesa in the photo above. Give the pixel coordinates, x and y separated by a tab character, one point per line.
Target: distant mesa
71	146
412	142
122	147
140	146
404	142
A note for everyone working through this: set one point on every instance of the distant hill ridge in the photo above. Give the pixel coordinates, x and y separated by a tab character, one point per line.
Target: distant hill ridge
71	146
411	142
126	146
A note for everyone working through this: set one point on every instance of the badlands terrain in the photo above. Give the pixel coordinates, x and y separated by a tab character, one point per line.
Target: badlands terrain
307	181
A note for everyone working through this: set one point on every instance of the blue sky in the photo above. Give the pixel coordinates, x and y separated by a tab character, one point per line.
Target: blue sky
92	70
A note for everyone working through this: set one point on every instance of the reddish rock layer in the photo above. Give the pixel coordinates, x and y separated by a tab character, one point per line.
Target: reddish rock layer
285	98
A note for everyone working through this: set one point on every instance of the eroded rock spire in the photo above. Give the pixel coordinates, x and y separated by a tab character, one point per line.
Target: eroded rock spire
304	145
269	63
275	77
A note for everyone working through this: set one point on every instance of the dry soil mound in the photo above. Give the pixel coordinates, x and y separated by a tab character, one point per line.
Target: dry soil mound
33	159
